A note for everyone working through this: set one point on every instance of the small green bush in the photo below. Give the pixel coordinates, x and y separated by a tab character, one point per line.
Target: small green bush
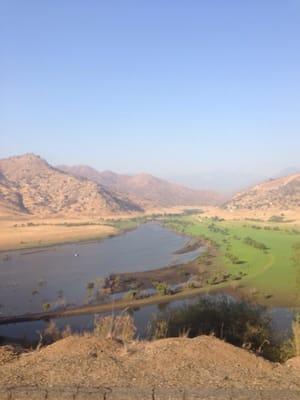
237	322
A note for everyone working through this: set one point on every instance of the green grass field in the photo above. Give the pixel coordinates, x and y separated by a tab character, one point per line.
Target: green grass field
262	259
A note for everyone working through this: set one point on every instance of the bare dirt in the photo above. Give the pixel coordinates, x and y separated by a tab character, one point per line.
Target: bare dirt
17	233
89	361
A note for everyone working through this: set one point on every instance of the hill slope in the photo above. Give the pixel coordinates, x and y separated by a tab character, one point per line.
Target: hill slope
146	189
11	200
282	193
30	185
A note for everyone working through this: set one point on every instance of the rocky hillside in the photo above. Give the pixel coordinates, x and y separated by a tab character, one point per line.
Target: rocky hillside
205	364
11	200
282	194
145	189
28	184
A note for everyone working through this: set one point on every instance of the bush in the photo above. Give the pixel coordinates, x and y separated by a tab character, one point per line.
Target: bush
50	334
237	322
276	218
258	245
131	295
162	288
119	327
159	329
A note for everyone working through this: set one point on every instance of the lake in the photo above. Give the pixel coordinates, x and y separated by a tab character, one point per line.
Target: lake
59	275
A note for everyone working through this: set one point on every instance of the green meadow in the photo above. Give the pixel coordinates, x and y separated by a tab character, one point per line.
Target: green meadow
258	259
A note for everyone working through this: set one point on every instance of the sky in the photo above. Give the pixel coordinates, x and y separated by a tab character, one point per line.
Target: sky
183	89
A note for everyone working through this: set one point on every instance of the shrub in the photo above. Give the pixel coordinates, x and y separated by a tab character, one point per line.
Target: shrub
67	331
258	245
237	322
119	327
46	307
162	288
90	285
276	218
131	295
159	329
51	333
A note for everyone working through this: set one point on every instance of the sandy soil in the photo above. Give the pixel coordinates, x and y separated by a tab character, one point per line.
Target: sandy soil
204	362
18	234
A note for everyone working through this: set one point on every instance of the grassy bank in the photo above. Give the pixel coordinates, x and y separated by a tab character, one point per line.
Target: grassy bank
262	260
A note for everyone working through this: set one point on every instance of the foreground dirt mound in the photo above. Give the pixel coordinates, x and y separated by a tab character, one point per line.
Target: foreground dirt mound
88	361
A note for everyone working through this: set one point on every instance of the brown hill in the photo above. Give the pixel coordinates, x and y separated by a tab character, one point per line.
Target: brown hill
10	199
282	193
29	184
146	189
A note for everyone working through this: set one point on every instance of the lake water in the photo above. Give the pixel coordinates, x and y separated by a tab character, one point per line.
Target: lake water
28	279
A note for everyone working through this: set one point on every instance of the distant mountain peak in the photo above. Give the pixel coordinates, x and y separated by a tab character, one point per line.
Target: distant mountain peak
282	193
145	189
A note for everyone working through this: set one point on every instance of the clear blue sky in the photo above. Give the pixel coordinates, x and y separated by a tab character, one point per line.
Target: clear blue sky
164	86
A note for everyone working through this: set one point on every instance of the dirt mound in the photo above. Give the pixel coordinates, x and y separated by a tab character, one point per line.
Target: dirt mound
7	354
203	362
294	363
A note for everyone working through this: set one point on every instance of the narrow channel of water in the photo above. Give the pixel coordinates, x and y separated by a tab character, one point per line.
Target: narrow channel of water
29	331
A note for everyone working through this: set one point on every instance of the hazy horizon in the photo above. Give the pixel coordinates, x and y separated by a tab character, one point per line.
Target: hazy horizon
223	182
203	93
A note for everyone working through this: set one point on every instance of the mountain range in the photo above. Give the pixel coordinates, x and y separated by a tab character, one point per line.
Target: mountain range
29	185
145	189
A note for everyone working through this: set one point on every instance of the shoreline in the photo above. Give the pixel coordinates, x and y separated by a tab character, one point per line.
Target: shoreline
106	307
124	304
81	240
98	238
45	247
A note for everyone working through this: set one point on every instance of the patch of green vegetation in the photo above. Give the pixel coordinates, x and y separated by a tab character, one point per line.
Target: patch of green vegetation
237	322
162	288
264	260
125	224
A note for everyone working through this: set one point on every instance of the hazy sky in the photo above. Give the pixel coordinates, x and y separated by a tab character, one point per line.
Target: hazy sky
164	86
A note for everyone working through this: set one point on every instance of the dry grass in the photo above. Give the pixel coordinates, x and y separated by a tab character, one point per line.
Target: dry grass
244	214
16	234
119	327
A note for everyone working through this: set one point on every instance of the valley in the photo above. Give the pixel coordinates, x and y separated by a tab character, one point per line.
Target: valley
149	200
241	249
